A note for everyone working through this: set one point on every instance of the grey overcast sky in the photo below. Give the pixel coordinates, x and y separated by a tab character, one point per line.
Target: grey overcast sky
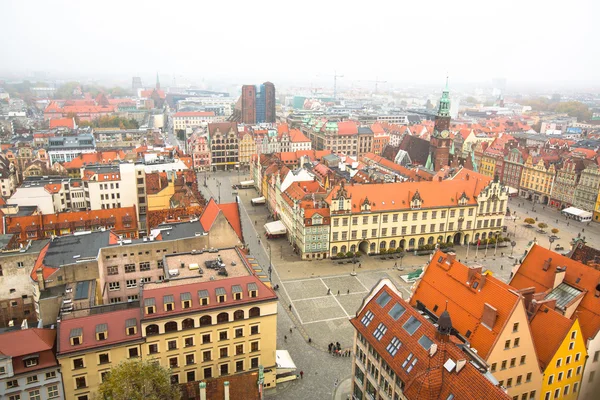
527	41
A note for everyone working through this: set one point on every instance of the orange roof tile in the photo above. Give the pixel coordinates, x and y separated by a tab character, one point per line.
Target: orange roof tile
62	122
531	274
448	283
548	329
232	213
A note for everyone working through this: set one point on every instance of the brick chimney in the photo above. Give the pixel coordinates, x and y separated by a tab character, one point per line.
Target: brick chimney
547	263
226	384
202	386
527	294
39	274
489	315
559	276
450	257
474	271
482	282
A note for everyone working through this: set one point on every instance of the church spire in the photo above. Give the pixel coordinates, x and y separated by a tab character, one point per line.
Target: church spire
157	82
444	107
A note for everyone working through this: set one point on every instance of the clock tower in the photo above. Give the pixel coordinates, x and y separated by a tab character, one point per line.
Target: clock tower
440	142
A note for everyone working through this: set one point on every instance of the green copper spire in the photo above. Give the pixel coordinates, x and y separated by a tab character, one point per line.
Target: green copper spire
444	108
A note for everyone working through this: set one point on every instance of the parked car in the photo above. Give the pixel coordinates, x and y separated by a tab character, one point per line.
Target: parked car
554	237
558	247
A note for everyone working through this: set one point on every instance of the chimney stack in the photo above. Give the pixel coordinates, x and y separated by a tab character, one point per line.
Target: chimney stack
226	390
547	264
39	274
474	271
482	282
202	386
460	364
450	257
559	276
489	315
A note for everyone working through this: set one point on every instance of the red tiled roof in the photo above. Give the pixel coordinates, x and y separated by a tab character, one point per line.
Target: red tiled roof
195	114
531	274
444	284
62	122
395	196
548	329
103	157
148	93
232	213
428	379
264	293
156	182
53	188
296	136
116	324
20	343
347	128
209	215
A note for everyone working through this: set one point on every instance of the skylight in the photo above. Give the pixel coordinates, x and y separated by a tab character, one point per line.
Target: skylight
397	311
380	331
425	342
411	325
394	346
367	318
383	299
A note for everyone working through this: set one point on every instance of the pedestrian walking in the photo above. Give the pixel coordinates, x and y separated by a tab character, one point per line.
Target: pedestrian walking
501	267
348	291
395	264
301	374
330	346
290	307
336	382
328	291
338	292
290	331
285	338
359	265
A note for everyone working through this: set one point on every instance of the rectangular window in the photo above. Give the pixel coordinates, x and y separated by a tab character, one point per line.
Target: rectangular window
113	286
223	352
52	391
114	270
367	318
103	358
32	379
50	375
393	346
144	266
133	352
129	268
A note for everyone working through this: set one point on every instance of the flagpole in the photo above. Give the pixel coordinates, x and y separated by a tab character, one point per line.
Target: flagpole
477	248
468	245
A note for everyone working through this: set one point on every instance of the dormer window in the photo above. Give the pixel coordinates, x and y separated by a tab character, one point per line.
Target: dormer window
76	336
150	305
186	300
341	204
131	326
31	361
221	295
203	296
102	332
237	292
168	302
252	290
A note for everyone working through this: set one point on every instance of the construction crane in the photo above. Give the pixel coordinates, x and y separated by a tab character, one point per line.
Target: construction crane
377	82
335	76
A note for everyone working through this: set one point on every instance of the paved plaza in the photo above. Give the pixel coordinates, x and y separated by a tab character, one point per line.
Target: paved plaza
311	288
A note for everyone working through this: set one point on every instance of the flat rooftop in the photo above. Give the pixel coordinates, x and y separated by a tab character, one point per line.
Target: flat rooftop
206	262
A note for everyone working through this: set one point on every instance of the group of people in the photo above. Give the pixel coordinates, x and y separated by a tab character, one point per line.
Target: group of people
336	350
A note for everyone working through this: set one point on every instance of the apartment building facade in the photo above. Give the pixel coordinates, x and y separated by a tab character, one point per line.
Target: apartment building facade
537	180
586	191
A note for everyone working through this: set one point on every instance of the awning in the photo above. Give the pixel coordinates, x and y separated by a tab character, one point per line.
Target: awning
284	361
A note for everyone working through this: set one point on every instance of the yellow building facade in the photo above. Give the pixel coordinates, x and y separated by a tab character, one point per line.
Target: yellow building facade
408	215
488	165
537	181
563	374
247	149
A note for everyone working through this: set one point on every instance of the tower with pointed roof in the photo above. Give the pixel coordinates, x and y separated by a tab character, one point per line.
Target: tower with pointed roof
157	82
440	142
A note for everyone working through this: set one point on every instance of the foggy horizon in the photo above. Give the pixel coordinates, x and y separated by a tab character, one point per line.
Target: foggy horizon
526	43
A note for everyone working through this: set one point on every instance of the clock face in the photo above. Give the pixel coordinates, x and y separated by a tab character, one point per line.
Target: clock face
444	134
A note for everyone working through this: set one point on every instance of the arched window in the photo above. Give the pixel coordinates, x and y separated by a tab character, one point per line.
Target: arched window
223	317
382	244
152	330
353	248
430	240
392	244
187	323
171	326
239	314
343	249
440	239
254	312
206	320
411	243
476	236
334	250
372	247
421	241
483	235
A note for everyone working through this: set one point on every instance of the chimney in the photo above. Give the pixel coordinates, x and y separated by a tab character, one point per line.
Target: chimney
467	177
482	282
473	271
202	386
460	364
547	264
39	274
226	384
450	257
527	294
559	276
489	315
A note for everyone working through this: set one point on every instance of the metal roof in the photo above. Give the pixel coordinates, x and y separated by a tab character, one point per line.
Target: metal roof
563	294
101	328
130	322
220	291
202	293
185	296
236	289
149	302
168	299
252	286
76	332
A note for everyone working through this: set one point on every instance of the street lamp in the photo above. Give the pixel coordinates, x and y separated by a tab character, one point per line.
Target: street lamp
270	262
496	235
219	187
354	261
402	254
513	244
551	240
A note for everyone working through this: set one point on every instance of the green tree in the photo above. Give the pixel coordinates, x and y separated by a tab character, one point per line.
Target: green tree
542	225
555	230
529	221
138	380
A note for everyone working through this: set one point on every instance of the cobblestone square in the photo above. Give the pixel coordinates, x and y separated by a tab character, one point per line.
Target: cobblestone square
305	289
343	284
318	309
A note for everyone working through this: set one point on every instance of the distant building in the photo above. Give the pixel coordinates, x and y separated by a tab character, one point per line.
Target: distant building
66	148
258	103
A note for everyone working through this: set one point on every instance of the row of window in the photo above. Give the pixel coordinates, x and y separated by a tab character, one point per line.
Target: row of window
565	391
36	394
415	216
14	383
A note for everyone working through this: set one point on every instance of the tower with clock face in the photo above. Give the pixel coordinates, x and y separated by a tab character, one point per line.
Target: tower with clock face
440	142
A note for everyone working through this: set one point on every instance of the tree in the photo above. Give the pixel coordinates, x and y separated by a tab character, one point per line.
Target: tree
555	230
542	225
529	221
138	380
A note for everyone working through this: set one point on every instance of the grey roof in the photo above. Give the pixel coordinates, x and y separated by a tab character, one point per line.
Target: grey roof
181	230
220	291
563	294
202	293
101	328
149	302
81	290
63	249
168	299
5	240
364	130
252	286
185	296
76	332
236	289
130	322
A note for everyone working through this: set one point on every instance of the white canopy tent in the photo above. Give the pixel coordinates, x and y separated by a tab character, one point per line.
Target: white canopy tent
577	214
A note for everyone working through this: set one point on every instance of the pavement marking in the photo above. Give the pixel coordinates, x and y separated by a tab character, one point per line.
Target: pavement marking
326	320
407	291
361	283
339	304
